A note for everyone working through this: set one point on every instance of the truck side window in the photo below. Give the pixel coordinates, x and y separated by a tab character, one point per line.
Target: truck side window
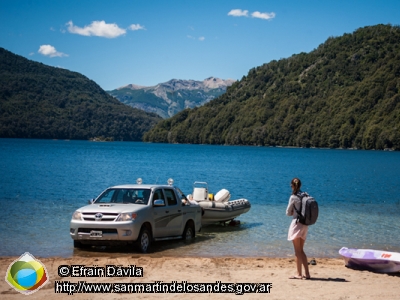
158	195
171	197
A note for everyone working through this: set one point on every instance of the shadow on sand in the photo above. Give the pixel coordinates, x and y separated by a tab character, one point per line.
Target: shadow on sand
328	279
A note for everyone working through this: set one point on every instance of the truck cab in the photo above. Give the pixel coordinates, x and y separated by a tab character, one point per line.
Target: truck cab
135	214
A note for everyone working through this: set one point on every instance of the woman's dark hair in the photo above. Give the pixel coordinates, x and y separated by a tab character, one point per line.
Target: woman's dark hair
296	185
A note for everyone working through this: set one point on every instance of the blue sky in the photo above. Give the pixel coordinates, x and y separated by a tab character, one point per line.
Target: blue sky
119	42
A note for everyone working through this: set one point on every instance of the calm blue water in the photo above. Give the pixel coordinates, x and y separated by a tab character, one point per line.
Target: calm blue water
44	181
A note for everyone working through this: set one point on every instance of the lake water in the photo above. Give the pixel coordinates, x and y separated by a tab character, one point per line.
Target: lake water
44	181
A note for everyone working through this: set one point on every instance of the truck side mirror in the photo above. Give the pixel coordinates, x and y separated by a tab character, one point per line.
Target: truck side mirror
91	201
159	202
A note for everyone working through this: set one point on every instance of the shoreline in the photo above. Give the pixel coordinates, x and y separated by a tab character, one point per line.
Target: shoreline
330	278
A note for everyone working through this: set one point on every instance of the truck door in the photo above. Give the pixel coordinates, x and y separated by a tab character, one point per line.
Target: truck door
175	212
161	215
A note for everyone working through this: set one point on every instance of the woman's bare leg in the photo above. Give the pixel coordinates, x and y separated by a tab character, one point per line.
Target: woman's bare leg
301	257
304	259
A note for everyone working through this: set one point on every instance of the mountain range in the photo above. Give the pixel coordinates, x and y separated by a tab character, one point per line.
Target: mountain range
343	94
168	98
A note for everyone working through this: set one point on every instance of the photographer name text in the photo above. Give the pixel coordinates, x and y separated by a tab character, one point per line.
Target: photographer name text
96	271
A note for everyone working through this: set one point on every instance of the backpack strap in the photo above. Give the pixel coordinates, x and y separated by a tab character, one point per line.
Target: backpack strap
301	195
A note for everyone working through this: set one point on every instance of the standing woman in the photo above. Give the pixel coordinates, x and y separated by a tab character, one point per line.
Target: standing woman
297	231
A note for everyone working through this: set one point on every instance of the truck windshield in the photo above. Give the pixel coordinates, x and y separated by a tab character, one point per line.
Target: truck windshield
137	196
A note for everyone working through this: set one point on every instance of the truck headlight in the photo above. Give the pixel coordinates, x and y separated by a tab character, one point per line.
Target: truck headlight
126	217
77	216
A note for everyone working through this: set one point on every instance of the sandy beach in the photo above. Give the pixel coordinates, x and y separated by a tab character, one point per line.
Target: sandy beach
330	278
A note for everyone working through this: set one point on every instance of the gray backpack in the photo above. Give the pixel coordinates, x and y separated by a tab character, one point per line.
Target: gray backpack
308	213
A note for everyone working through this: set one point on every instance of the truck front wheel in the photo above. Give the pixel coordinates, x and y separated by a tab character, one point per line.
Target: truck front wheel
144	240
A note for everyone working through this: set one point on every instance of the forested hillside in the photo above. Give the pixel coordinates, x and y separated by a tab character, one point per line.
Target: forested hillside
344	94
39	101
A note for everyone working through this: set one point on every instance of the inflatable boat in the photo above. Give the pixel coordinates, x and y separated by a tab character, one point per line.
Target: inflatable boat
218	208
373	260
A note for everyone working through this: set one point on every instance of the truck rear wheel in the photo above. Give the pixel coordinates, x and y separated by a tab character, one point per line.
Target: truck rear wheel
188	233
144	240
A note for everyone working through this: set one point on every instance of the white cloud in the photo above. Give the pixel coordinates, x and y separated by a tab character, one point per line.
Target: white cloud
201	38
97	28
48	50
256	14
101	29
238	13
136	27
265	16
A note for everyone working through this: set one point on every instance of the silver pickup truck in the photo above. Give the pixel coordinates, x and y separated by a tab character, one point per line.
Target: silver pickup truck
137	214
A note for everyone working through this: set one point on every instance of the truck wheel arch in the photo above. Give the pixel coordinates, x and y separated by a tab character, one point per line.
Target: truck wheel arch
148	226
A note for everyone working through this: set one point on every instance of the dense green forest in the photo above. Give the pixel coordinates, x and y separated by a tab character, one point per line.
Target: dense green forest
39	101
344	94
